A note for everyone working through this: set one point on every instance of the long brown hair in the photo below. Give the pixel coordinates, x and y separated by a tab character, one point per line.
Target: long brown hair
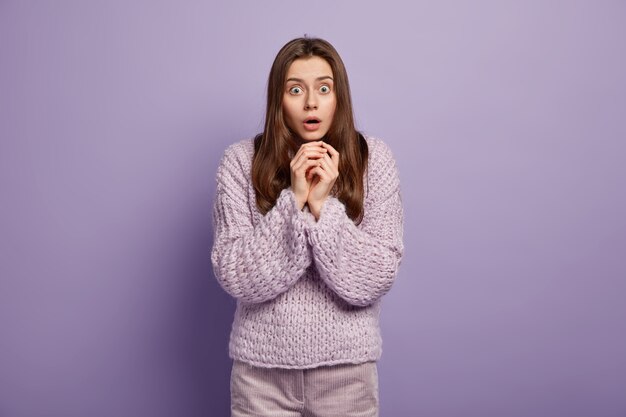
270	166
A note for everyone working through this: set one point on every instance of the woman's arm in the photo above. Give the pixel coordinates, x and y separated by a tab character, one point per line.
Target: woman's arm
255	263
360	265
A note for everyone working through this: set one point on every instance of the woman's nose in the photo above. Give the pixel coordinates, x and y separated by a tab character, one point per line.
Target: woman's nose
311	102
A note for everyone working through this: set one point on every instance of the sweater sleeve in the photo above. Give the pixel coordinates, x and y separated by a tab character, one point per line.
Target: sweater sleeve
255	263
360	264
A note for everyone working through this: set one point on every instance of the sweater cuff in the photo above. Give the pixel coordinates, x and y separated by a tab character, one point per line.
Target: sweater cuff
330	215
300	219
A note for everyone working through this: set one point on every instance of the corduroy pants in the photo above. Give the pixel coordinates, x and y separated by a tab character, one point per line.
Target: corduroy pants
327	391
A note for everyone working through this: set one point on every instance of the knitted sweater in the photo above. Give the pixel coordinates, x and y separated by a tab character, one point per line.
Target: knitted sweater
308	292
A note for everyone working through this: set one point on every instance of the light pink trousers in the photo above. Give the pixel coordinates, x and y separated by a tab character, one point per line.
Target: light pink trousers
337	391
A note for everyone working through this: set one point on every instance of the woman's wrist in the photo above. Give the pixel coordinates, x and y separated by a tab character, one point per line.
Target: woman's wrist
315	209
300	202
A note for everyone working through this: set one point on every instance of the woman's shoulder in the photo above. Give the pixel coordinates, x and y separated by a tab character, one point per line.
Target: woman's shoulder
382	171
241	150
240	153
379	152
236	161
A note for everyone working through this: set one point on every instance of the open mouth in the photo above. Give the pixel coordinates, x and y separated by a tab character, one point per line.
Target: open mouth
311	124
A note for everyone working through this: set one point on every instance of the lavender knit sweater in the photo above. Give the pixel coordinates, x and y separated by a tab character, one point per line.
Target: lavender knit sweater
308	292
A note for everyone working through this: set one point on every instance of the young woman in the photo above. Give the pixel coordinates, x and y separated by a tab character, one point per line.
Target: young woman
308	238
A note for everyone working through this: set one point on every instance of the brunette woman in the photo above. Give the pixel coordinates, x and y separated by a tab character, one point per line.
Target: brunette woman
308	238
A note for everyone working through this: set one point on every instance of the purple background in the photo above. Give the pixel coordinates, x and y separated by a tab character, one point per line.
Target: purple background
507	120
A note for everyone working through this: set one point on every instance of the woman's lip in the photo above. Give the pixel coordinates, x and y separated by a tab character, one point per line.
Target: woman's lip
311	127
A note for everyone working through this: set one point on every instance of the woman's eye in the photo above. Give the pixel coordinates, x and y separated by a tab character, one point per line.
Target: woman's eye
295	90
325	89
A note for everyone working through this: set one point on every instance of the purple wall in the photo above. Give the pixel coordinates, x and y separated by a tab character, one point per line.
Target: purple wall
507	121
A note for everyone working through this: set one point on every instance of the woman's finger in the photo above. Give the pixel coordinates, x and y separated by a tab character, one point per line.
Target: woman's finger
311	146
329	165
317	170
333	152
304	165
308	154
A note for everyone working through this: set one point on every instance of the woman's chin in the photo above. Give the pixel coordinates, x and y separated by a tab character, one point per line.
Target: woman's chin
311	136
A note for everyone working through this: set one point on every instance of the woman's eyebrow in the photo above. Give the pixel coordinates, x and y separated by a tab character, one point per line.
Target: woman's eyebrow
299	80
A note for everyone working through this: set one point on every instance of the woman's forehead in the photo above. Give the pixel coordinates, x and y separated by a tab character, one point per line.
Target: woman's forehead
309	67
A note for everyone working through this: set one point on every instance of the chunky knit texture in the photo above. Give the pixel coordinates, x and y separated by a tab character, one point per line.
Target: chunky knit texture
308	292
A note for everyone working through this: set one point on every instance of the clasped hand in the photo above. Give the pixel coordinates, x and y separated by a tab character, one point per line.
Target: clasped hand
314	170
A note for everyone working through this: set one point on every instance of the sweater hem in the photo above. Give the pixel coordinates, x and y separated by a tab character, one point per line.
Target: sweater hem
308	366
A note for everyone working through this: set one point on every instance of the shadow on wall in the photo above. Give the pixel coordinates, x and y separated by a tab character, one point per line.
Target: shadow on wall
219	311
220	308
205	324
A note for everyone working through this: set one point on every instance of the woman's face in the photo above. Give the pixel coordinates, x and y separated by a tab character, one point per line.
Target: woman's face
309	99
